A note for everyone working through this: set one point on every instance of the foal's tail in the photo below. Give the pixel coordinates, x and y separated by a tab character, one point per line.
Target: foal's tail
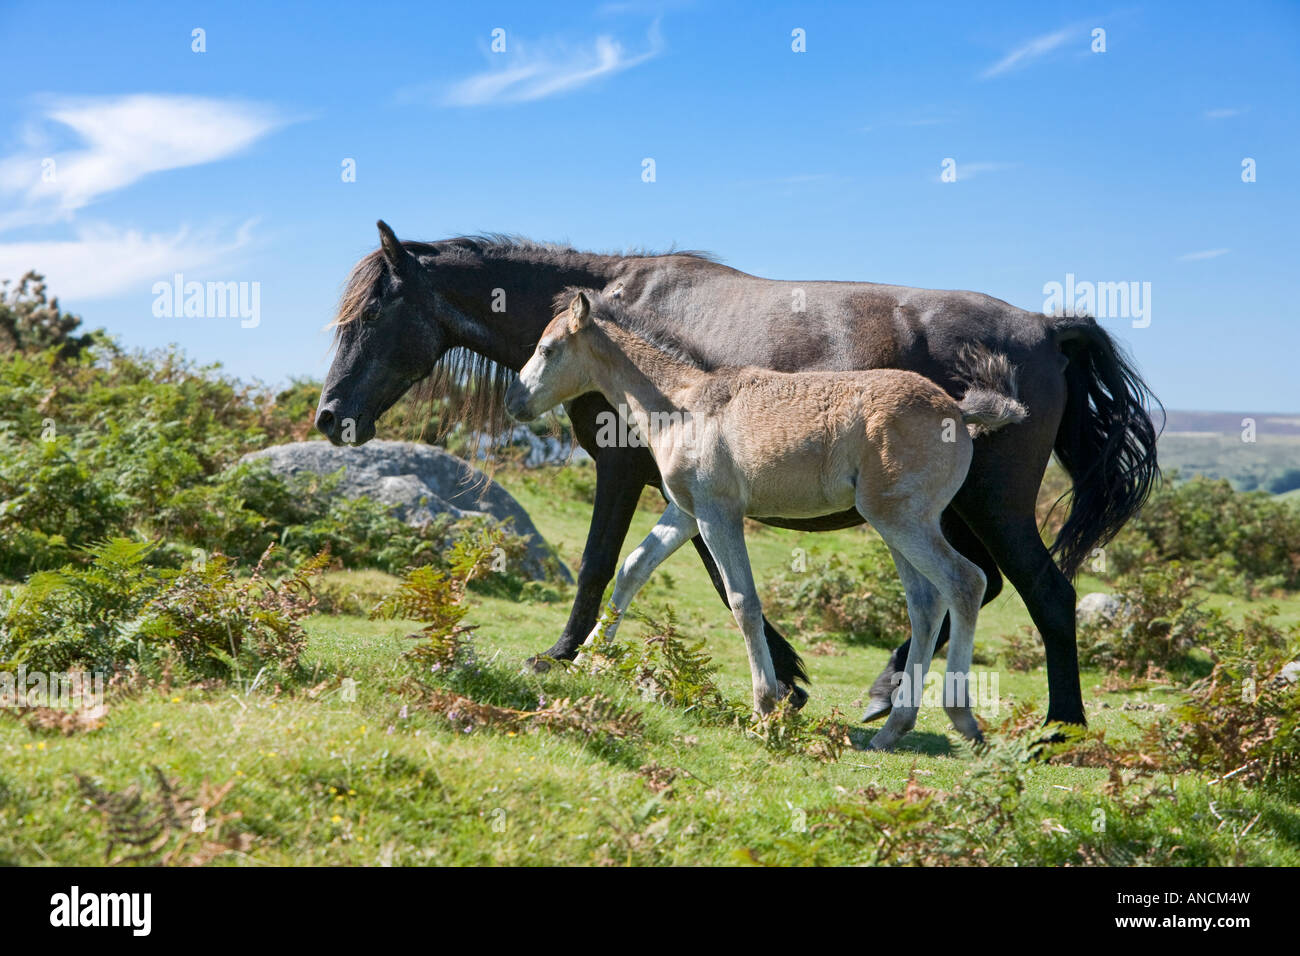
991	400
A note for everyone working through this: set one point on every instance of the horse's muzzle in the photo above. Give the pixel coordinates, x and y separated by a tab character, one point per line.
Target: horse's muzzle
340	429
517	403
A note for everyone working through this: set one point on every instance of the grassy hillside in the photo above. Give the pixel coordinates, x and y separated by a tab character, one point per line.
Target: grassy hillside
316	778
1214	444
246	725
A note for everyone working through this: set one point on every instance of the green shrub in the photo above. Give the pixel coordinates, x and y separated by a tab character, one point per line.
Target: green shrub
106	444
1244	718
118	614
1230	541
1159	623
862	601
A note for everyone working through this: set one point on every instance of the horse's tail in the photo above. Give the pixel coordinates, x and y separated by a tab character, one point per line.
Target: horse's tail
1106	440
991	400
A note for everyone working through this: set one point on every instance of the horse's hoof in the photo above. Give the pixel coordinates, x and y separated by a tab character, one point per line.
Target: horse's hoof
538	664
877	707
1055	734
882	741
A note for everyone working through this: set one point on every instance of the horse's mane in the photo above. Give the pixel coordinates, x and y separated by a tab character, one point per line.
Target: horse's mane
471	386
363	283
642	323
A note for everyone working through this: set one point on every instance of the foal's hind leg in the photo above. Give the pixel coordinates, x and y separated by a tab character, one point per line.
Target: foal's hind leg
960	584
961	537
925	610
674	529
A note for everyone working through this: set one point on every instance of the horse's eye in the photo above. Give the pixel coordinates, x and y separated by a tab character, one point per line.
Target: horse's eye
545	351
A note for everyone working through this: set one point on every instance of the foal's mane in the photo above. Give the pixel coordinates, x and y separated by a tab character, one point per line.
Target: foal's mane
473	386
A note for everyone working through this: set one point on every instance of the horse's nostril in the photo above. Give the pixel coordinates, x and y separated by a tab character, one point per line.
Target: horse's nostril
325	423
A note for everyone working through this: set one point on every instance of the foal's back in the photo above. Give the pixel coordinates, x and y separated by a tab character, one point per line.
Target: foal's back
802	444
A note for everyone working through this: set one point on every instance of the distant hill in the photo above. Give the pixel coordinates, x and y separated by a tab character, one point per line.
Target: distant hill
1214	444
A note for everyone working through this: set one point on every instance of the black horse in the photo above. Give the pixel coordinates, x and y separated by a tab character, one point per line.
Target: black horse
470	310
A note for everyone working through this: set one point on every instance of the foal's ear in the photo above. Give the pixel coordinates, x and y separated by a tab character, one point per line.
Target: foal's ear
393	250
579	312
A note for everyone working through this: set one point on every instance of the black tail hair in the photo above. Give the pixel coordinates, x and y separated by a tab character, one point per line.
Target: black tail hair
1106	442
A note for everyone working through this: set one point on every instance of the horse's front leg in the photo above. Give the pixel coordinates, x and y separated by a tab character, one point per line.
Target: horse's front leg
618	488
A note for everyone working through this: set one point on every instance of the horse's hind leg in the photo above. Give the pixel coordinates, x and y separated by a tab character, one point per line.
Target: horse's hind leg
674	529
925	609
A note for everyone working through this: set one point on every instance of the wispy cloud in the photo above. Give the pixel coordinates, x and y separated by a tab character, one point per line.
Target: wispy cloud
103	261
1206	254
121	140
1223	113
526	75
1027	52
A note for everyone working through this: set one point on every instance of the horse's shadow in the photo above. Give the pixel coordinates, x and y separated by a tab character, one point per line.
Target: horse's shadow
918	741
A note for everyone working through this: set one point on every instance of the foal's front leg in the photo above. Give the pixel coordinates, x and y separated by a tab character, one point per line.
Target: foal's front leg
724	533
618	488
674	529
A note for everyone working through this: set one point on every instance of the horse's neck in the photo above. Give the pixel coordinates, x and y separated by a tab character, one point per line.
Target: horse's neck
504	301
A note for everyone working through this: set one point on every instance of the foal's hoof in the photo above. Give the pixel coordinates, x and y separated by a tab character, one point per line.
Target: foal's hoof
877	707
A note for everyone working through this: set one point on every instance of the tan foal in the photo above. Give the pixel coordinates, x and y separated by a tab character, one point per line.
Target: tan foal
737	442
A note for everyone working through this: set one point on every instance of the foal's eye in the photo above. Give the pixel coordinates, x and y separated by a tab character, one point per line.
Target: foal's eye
545	351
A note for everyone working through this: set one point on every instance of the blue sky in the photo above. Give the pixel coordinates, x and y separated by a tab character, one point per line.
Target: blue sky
1122	166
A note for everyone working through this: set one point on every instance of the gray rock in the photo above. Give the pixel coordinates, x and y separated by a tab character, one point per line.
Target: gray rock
417	481
1097	608
542	449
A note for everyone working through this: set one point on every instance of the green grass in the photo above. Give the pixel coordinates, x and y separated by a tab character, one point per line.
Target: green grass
319	779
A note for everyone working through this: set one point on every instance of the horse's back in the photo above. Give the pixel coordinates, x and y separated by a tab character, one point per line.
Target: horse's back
733	318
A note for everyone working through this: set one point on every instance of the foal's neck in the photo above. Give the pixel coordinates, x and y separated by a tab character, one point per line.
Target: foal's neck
627	368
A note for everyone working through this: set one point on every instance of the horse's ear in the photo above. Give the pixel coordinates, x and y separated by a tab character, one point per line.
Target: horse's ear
393	250
579	312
